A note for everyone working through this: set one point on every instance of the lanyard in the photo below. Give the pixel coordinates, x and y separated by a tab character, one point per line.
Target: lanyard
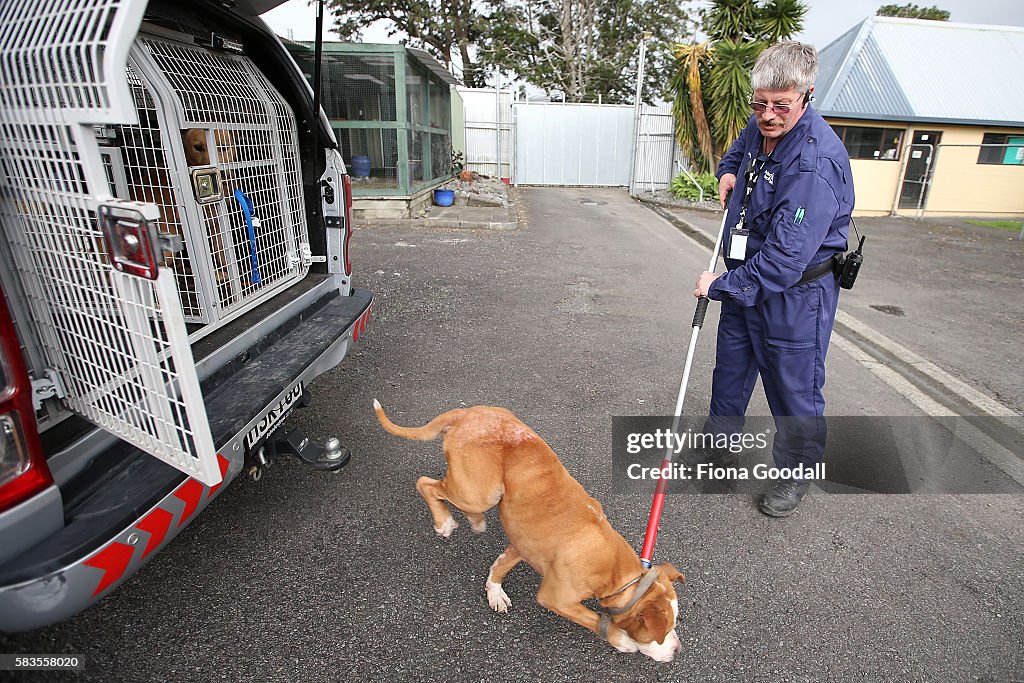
753	172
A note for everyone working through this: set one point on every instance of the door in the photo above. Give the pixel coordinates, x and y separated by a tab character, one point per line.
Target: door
918	173
488	126
114	344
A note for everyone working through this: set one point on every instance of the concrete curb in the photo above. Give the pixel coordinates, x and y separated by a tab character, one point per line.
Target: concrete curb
447	223
668	205
690	231
438	223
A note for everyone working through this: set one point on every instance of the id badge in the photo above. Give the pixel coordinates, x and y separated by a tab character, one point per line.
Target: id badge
738	243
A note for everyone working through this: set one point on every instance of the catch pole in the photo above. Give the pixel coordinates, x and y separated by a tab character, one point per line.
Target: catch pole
647	552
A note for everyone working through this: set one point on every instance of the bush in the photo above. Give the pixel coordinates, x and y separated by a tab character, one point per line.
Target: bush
682	187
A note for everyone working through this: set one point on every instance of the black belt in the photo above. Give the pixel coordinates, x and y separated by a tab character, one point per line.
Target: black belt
819	271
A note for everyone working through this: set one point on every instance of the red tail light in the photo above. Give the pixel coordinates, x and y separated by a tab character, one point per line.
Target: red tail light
23	469
348	220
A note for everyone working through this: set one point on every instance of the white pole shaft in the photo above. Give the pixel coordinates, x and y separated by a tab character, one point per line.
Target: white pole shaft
693	338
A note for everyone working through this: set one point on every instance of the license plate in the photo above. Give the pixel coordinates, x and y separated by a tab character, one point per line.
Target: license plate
273	418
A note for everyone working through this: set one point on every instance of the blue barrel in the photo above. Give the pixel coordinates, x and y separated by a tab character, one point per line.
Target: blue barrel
361	166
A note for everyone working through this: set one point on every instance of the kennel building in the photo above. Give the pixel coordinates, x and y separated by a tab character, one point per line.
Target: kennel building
391	110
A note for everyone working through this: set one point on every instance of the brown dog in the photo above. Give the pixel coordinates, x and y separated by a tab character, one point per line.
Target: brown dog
197	153
551	523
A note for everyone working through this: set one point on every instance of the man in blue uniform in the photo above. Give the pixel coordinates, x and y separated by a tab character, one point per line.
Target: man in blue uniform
787	219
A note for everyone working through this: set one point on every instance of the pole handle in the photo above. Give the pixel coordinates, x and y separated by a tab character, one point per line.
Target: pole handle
702	309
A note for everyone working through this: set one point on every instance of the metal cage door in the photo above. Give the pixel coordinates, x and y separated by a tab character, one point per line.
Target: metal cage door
117	344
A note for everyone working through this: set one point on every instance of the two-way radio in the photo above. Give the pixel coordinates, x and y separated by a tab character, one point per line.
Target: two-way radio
848	266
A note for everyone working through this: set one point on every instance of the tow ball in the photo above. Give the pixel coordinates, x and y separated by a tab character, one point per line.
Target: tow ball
330	457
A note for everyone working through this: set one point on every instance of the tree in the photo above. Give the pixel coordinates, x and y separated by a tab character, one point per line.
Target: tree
691	121
443	27
580	50
711	86
913	12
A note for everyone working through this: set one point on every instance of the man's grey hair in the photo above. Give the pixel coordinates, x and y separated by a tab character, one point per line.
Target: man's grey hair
787	65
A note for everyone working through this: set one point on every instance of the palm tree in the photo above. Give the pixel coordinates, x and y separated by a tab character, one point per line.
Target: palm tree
729	90
711	87
731	19
780	19
691	122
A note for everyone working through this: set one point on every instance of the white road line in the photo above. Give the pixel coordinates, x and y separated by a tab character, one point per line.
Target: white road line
963	391
987	448
895	380
981	443
993	452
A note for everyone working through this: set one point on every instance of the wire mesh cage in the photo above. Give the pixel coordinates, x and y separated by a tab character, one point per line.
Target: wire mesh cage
217	111
94	116
387	105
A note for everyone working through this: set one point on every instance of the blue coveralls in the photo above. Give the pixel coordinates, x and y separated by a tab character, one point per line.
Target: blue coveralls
768	325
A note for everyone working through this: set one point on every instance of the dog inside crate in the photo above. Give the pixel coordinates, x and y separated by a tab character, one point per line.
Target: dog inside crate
232	126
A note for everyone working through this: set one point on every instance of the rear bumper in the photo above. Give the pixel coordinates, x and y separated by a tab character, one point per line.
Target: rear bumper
128	505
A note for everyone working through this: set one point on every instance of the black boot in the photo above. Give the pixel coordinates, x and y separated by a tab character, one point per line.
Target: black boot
783	497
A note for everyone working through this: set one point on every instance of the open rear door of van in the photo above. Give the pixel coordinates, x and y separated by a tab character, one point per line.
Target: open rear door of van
105	313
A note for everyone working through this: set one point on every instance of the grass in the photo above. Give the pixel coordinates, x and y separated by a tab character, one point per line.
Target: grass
1012	226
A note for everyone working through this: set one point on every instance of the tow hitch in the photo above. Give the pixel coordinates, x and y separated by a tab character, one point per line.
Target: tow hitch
331	457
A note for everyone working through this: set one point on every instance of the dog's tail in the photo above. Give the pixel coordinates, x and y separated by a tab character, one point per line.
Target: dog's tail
439	425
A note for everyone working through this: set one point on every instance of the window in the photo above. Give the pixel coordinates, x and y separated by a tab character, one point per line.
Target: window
871	143
1010	150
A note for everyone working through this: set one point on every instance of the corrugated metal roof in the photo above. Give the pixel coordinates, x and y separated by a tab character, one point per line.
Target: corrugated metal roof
928	71
430	62
424	58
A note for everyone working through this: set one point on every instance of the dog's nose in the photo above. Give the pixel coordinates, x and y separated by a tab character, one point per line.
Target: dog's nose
676	646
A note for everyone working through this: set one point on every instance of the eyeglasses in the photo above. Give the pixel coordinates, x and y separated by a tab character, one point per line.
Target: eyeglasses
782	109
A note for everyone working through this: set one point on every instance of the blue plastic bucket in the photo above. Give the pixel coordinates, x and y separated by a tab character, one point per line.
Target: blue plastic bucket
361	166
444	197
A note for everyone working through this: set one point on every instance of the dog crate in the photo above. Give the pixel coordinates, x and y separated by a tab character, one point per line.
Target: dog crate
91	120
210	121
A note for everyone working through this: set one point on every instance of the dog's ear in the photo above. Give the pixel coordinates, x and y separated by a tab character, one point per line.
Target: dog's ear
671	573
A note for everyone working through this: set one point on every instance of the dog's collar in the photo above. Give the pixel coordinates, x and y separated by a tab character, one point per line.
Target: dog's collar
633	582
643	584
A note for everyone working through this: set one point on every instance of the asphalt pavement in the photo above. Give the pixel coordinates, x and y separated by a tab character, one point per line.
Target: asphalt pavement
579	314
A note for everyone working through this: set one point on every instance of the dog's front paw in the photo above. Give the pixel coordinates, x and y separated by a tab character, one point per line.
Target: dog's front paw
446	529
497	598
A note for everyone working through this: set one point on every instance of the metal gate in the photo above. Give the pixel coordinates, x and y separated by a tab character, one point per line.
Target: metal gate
655	161
572	144
488	119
